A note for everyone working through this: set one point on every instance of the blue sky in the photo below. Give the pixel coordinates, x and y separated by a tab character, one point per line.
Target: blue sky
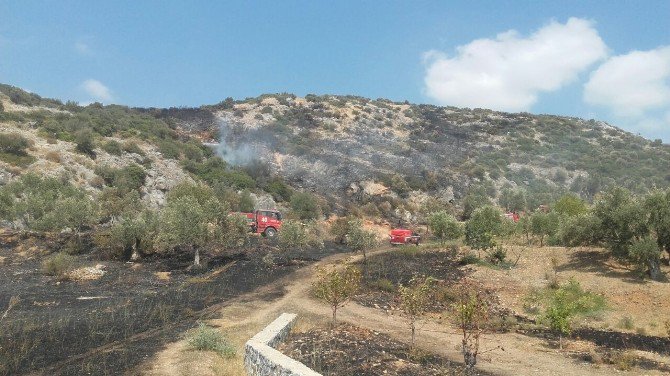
566	57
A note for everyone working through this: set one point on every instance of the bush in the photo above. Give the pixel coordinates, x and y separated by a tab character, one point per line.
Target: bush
13	143
84	141
206	338
444	226
293	235
133	148
337	287
305	206
484	225
112	147
58	265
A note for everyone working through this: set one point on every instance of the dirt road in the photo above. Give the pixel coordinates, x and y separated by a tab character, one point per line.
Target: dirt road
511	353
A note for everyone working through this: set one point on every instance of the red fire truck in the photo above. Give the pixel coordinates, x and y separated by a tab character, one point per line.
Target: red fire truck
399	236
265	222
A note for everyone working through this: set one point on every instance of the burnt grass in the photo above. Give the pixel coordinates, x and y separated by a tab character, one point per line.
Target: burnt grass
112	324
385	272
346	350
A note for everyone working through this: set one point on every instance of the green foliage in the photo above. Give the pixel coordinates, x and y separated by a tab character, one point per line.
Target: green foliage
657	205
112	147
622	219
247	202
206	338
293	235
114	203
84	140
337	286
444	226
13	143
568	301
183	223
279	190
194	217
644	253
134	233
580	230
570	205
47	204
415	299
513	200
133	148
340	228
125	179
305	206
476	198
58	265
485	224
360	240
215	170
544	224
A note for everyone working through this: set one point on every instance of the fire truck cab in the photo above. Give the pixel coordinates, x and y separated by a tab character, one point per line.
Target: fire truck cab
264	222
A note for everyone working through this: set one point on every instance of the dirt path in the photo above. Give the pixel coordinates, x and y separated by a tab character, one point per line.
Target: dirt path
248	314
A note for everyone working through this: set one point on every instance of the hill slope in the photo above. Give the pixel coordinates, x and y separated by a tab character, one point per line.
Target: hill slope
385	157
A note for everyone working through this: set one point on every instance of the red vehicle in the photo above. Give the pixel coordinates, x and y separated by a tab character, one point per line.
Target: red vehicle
404	236
265	222
513	216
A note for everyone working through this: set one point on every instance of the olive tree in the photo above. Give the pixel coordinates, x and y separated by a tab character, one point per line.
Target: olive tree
415	299
183	224
544	224
337	286
361	240
472	315
444	226
485	224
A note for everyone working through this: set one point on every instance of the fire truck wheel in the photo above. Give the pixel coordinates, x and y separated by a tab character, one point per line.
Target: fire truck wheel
270	232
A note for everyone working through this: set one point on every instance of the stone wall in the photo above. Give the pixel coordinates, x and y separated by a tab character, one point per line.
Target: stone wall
260	357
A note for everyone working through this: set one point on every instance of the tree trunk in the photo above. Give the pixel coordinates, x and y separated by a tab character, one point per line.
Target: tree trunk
196	260
655	269
135	255
413	331
334	315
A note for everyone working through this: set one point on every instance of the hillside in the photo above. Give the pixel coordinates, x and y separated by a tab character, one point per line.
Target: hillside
345	146
385	158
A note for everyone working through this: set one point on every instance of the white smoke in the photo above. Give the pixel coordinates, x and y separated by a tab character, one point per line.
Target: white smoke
236	153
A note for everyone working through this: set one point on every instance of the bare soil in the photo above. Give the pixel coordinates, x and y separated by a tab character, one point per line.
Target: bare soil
347	350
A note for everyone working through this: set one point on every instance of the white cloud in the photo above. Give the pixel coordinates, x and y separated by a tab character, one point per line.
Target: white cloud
632	84
509	72
97	90
635	88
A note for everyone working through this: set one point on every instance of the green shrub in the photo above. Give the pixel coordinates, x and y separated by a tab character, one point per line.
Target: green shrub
206	338
293	235
85	141
13	143
133	148
444	226
112	147
58	265
305	205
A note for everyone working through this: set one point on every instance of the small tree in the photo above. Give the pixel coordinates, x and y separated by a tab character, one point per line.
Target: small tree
559	314
84	140
544	224
293	235
570	205
472	316
483	226
415	300
305	205
444	226
183	223
646	255
340	229
337	287
361	240
524	227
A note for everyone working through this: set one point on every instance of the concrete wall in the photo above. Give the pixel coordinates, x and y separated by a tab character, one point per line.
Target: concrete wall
260	357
